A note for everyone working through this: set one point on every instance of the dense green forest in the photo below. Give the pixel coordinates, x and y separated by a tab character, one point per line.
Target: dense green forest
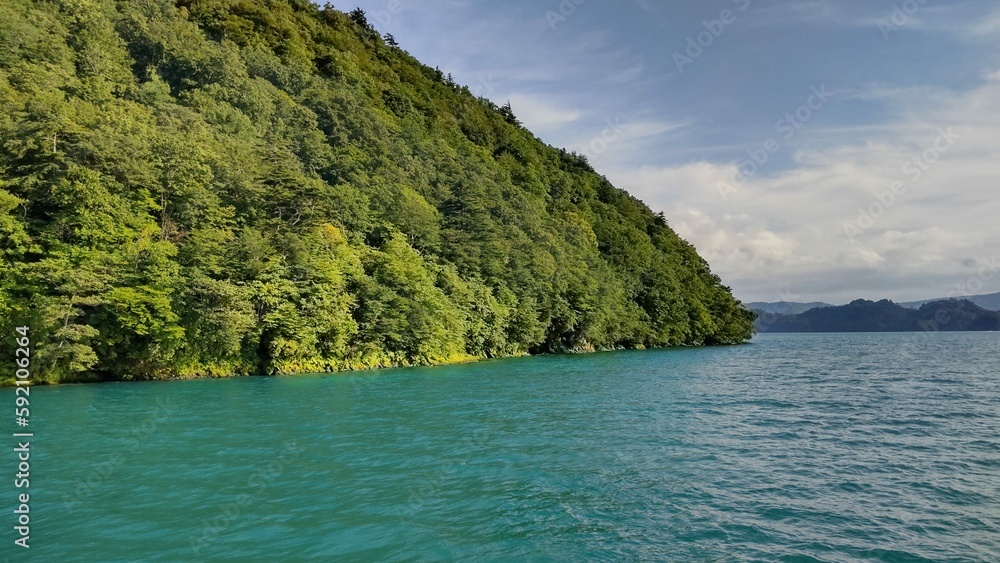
225	187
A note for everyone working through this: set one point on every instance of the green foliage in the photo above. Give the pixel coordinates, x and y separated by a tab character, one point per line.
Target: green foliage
221	187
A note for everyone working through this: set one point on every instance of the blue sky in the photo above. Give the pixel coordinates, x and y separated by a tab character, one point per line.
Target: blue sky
811	150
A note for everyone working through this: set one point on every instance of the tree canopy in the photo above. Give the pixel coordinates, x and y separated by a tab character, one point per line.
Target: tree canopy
224	187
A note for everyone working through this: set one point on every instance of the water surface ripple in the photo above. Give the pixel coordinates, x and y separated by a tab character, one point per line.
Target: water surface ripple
857	447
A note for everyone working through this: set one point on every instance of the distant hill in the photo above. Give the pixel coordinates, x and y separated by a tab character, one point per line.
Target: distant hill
886	316
989	302
784	307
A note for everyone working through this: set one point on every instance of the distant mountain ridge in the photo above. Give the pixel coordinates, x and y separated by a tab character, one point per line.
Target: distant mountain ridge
885	316
784	307
989	302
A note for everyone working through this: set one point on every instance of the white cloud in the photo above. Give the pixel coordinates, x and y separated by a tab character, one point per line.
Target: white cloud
963	20
788	230
989	25
537	112
795	12
619	138
626	74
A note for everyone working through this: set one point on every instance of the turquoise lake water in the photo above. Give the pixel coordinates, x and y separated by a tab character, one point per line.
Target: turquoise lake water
860	447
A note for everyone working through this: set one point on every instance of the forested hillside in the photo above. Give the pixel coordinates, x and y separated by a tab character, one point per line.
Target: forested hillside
223	187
